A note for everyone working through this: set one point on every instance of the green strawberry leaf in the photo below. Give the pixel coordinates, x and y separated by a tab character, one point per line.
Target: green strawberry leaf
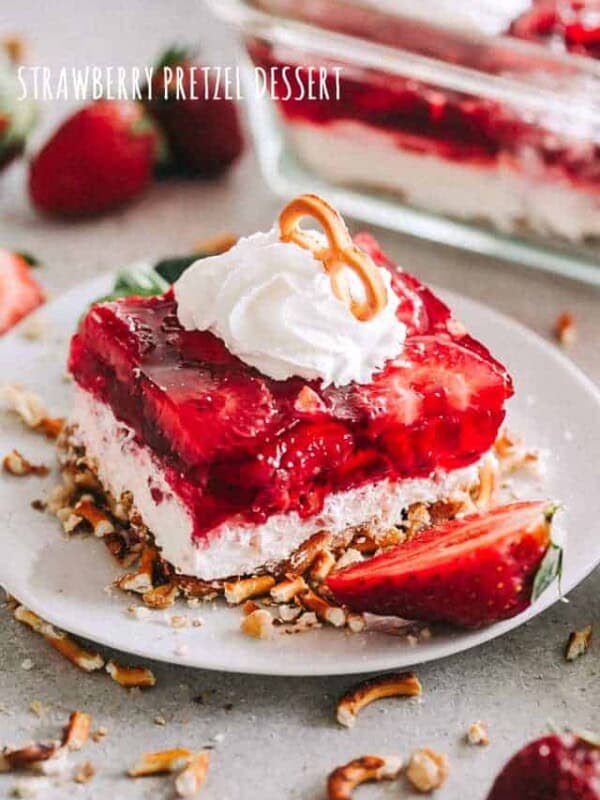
173	55
29	259
548	571
171	269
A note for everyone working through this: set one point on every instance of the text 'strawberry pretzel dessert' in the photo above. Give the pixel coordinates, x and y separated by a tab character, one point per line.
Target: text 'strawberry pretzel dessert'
295	386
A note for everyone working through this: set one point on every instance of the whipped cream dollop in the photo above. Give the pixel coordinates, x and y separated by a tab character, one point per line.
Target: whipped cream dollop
273	306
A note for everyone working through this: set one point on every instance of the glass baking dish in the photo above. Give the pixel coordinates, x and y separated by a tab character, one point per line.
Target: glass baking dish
451	133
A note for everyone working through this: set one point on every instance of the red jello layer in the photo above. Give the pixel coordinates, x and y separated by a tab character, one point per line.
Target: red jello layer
234	442
429	120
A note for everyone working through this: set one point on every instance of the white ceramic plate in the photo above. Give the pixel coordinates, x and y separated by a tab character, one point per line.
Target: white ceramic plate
64	580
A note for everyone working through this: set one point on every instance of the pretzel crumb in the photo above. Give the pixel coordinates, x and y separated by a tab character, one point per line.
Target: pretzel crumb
403	684
307	621
249	607
356	623
289	613
86	660
161	597
244	589
99	734
258	624
578	643
97	518
179	621
191	778
322	565
565	329
84	772
27	405
77	730
130	677
427	770
286	590
38	708
343	780
334	615
350	556
16	464
160	763
477	734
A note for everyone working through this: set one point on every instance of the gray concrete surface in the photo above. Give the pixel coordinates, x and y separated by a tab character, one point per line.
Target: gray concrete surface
280	736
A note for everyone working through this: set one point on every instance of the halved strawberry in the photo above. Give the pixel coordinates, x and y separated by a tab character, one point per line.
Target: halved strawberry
205	414
470	572
551	768
19	292
437	404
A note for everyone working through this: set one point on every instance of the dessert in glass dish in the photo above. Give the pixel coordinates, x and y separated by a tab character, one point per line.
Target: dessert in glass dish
483	115
289	400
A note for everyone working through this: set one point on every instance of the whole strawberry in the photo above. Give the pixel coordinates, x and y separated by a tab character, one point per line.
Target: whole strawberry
470	572
551	768
202	134
99	158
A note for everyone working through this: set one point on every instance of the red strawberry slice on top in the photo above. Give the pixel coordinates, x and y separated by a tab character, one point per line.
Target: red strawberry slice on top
207	415
551	768
470	572
19	292
457	392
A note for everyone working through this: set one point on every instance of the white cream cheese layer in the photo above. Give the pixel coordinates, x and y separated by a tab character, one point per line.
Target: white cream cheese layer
353	153
234	547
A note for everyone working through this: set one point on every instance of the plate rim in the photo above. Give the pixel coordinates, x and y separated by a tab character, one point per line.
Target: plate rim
465	640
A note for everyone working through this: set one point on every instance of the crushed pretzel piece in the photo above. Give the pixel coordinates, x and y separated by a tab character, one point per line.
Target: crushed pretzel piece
258	624
38	708
140	581
286	590
84	772
356	623
307	621
130	677
86	660
477	734
96	517
77	730
488	482
180	621
50	426
245	588
578	643
348	557
25	404
289	613
191	778
160	763
334	615
99	734
249	607
419	518
215	245
27	757
565	329
343	780
322	565
161	597
403	684
303	557
427	770
15	463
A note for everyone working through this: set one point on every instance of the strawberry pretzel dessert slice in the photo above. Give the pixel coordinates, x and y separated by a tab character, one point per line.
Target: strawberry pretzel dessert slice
299	385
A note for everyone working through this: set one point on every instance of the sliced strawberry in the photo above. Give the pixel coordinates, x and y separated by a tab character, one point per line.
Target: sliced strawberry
437	404
206	415
19	292
469	572
551	768
121	333
295	457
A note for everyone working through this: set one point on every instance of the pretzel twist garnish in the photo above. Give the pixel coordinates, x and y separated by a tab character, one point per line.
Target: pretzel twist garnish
340	253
